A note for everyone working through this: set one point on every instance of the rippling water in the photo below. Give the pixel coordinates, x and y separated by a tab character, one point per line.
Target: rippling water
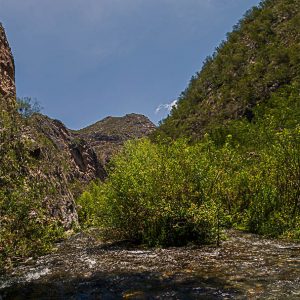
246	266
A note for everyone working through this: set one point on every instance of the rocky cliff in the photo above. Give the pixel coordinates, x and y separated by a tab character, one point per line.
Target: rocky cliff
7	73
107	136
68	163
7	67
80	159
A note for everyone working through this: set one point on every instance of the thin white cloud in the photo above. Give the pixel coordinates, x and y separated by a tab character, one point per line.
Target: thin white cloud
166	107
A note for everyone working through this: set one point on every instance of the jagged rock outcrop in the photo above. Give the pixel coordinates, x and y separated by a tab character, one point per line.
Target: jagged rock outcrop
107	136
82	162
7	68
69	163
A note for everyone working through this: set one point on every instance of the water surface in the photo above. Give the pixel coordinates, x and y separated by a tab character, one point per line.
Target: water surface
246	266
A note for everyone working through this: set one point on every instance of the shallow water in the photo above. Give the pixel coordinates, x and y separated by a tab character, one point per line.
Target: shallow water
246	266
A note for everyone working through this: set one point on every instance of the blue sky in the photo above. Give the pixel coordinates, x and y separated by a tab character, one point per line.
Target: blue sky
84	60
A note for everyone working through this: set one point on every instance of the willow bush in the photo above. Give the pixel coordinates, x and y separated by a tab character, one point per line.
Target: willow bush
158	194
275	207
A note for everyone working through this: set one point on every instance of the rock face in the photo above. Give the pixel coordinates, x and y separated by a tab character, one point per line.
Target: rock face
69	164
107	136
65	163
82	162
7	67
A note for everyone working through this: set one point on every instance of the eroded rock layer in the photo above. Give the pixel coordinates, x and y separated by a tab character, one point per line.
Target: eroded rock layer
7	67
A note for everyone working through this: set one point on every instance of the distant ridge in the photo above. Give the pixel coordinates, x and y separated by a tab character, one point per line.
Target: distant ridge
107	136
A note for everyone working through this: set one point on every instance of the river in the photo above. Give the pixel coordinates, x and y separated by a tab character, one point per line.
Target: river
245	266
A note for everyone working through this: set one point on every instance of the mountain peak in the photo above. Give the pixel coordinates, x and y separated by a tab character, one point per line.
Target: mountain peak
109	134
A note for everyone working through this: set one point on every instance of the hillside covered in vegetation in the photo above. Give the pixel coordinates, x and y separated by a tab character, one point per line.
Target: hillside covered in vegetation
260	57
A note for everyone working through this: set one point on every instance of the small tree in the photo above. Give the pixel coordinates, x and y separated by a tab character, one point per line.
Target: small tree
27	107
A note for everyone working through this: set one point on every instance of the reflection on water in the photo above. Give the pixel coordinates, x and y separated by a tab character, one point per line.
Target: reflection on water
244	267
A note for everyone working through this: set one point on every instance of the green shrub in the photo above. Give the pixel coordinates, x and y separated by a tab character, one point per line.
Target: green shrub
89	205
275	205
26	107
156	194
